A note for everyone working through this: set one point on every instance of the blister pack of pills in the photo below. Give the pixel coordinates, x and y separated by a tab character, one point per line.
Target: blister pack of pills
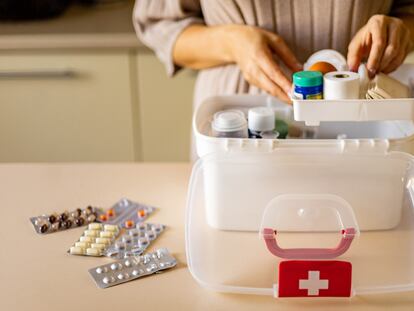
126	213
134	241
95	240
131	268
49	223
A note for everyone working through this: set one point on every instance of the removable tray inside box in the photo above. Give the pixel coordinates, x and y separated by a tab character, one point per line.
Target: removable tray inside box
313	112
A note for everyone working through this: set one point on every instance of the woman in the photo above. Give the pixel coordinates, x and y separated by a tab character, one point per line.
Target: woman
241	46
244	46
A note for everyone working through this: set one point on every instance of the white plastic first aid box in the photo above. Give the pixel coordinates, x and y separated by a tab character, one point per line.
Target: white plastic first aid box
327	216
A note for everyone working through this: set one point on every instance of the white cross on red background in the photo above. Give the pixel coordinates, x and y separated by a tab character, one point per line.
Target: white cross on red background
314	283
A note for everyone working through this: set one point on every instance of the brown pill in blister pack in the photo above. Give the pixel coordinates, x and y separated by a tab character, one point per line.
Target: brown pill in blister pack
62	221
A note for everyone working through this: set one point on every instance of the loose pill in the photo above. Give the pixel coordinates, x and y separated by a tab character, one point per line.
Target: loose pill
77	250
93	251
105	241
95	226
106	234
129	223
103	217
112	228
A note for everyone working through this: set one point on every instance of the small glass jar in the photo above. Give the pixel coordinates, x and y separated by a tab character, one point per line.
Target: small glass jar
230	124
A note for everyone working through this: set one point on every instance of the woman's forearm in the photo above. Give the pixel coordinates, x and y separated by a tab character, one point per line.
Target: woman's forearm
200	47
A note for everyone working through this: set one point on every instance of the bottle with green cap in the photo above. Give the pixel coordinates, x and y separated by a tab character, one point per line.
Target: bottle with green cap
308	85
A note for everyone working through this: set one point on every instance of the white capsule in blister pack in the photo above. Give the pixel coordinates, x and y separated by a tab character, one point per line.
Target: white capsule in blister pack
131	268
95	239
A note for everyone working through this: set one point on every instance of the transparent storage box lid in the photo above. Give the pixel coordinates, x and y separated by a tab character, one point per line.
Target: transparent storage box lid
298	224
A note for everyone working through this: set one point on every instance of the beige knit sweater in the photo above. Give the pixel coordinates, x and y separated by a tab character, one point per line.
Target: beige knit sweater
306	25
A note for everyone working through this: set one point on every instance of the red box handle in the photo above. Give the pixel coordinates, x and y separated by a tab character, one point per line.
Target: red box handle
269	236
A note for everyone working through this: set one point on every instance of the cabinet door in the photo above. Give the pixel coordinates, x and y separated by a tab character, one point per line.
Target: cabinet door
165	111
65	107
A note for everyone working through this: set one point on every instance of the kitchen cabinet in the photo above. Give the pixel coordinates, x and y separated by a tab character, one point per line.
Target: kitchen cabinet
165	110
66	106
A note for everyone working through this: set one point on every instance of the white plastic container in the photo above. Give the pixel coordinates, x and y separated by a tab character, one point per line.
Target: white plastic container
307	189
361	169
239	261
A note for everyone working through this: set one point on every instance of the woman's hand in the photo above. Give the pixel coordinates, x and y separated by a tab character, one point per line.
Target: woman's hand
255	50
386	42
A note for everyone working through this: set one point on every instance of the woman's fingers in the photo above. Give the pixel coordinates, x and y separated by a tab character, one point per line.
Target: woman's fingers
399	58
385	40
268	65
355	52
259	78
392	49
378	31
279	46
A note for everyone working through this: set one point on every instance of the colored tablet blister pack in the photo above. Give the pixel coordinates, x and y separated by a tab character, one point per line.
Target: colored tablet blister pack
126	213
129	269
66	220
95	240
134	241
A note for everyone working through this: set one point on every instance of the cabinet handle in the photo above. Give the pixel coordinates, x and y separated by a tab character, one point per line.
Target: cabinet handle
39	74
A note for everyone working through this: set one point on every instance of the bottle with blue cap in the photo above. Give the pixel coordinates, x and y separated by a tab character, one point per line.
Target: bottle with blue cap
308	85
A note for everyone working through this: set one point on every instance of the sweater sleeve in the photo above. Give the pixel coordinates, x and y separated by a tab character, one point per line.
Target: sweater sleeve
159	23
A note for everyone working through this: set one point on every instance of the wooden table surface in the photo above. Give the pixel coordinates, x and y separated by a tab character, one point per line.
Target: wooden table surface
38	274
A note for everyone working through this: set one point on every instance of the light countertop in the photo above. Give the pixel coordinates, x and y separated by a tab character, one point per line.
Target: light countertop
101	26
38	274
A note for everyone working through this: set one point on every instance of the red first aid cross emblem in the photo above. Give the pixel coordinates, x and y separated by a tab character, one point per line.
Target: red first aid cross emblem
314	278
